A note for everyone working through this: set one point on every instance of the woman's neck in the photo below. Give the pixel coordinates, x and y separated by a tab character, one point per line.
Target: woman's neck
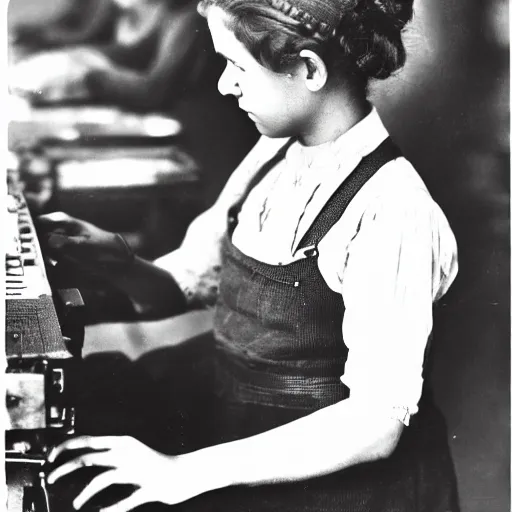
334	117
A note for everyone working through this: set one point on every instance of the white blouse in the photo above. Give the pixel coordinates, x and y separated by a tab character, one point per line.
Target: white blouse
391	255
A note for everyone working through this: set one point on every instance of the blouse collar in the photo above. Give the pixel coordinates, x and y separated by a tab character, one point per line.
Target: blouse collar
355	144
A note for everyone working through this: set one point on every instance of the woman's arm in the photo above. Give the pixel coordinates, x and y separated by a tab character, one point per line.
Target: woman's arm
82	248
148	90
331	439
185	278
152	291
402	257
400	260
328	440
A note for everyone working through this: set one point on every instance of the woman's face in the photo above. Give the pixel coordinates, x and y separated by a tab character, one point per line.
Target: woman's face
279	103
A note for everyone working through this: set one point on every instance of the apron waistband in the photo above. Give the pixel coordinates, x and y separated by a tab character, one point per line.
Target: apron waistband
268	386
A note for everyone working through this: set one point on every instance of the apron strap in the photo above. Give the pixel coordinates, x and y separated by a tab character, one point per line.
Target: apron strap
341	198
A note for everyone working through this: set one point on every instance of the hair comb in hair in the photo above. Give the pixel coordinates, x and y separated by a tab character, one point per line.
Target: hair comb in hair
322	16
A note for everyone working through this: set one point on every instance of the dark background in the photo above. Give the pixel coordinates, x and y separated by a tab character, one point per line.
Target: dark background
450	113
449	110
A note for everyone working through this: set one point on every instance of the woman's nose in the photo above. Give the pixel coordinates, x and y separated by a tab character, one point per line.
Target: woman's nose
228	83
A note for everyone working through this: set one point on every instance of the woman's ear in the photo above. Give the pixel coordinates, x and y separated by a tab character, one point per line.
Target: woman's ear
315	70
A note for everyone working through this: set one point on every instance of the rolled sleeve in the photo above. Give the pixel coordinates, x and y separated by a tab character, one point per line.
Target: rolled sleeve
196	264
390	280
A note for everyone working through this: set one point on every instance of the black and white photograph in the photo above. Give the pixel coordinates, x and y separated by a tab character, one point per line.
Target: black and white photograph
257	256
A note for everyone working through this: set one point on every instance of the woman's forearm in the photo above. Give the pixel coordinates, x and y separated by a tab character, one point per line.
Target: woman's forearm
152	291
328	440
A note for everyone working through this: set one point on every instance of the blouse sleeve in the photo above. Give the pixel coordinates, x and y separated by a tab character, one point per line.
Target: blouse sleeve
196	264
402	259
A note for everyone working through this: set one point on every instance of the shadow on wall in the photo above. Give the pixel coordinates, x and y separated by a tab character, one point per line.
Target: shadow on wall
449	111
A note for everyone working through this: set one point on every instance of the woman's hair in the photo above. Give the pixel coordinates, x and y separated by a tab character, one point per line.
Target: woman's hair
363	38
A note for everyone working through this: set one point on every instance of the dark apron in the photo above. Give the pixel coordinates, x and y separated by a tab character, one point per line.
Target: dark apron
279	356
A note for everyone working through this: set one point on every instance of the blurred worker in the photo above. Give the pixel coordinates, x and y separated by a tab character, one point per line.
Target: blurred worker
81	22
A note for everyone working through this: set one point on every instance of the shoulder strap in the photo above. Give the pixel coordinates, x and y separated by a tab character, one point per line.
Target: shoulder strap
265	169
341	198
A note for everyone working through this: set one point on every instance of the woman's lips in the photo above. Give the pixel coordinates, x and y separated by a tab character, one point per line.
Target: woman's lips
244	109
249	114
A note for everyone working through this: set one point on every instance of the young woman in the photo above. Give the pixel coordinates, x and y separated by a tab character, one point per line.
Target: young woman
323	256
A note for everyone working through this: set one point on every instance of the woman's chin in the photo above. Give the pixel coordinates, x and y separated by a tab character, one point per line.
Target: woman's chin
269	131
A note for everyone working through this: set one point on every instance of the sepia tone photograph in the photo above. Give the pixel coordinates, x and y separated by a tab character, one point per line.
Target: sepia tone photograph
257	256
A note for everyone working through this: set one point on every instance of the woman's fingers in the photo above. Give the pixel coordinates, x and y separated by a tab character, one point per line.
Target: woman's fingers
104	459
96	485
134	500
84	442
55	220
58	241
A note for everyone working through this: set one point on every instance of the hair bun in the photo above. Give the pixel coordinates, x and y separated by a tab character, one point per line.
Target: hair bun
398	10
370	35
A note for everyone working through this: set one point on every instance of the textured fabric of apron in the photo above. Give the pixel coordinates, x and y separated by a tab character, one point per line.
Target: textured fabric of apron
279	356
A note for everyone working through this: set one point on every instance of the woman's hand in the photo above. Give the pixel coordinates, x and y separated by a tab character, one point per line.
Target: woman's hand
158	478
81	241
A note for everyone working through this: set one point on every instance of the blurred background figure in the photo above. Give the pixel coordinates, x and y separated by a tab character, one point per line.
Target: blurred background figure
80	22
161	52
158	50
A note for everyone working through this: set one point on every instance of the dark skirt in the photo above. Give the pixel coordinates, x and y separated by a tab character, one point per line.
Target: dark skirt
167	399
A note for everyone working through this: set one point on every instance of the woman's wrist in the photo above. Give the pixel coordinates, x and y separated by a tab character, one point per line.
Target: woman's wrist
212	467
115	258
127	256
